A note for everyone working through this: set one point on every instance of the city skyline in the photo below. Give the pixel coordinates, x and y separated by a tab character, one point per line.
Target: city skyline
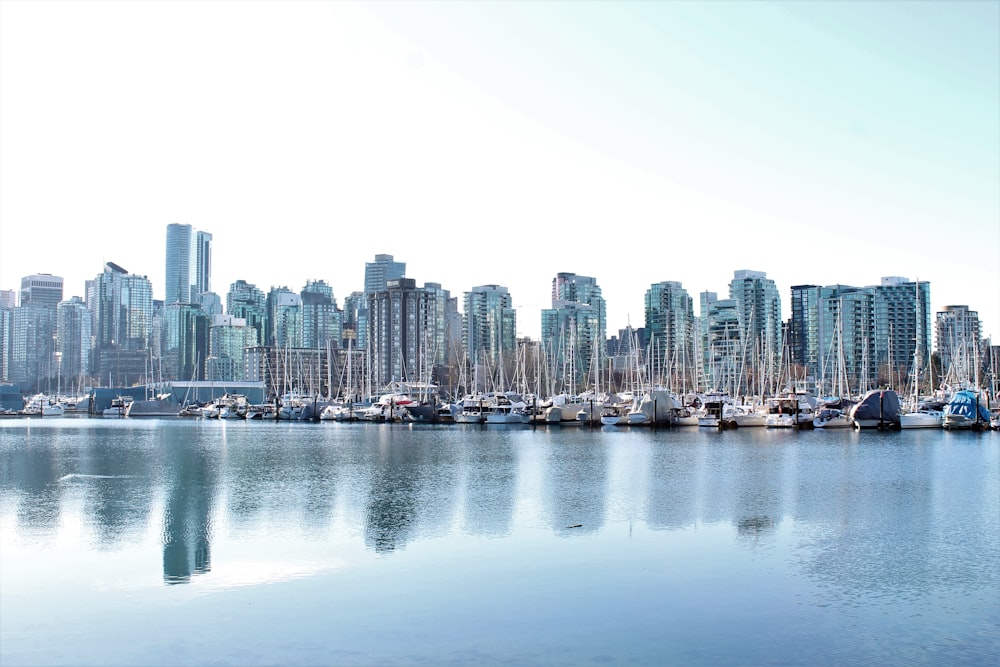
503	143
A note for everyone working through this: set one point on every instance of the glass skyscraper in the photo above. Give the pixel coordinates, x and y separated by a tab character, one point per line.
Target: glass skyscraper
189	264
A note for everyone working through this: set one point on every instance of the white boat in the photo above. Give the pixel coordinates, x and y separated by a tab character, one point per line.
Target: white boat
615	414
791	410
471	409
503	410
563	409
749	416
340	412
118	408
922	418
44	406
832	418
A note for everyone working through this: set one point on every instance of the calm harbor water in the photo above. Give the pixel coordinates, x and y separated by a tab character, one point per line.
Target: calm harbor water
188	542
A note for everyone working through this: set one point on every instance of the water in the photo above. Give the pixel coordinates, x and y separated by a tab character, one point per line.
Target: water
186	542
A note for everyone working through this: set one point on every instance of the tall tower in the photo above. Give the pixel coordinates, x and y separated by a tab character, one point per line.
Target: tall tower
41	289
490	327
670	322
73	333
401	332
189	264
574	331
758	307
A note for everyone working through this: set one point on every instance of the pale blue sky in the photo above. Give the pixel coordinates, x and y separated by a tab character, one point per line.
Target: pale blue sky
821	142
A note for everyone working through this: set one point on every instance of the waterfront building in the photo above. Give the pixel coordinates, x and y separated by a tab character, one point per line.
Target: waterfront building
355	315
573	332
669	314
402	329
851	339
446	320
73	341
245	301
32	347
758	308
123	331
310	372
188	265
721	343
902	328
41	289
322	321
283	324
958	333
184	342
382	270
228	339
377	274
489	329
6	320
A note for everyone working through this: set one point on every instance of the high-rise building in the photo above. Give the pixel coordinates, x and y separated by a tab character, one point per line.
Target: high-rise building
720	343
670	322
6	319
73	341
851	339
31	352
229	337
32	347
321	319
123	326
377	273
383	269
189	264
490	328
283	327
247	302
401	319
41	289
958	342
185	342
574	331
758	305
8	299
447	324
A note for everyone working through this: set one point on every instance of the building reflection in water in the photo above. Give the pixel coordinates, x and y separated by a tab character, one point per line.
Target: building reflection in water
576	483
491	487
192	470
413	481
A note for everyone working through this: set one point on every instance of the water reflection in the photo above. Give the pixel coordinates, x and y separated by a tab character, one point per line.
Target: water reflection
867	515
192	470
413	480
576	481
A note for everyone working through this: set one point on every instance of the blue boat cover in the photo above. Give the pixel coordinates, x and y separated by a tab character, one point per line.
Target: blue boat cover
964	403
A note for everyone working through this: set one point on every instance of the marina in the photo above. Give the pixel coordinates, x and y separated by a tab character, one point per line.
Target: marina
215	541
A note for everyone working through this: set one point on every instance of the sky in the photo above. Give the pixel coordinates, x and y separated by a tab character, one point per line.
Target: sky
504	142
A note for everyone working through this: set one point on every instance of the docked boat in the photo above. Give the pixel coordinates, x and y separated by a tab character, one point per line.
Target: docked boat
929	414
879	408
965	410
832	418
118	408
791	410
41	405
748	416
471	409
162	405
506	408
654	408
